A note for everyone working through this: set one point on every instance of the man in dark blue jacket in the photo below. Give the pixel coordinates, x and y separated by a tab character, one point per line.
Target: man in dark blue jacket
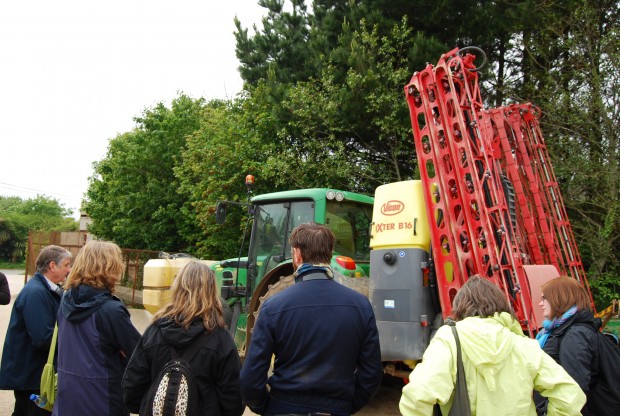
324	337
30	330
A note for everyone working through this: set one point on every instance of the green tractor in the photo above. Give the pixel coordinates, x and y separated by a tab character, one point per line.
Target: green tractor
267	269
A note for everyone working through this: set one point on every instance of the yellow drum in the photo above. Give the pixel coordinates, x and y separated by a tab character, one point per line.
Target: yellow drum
158	277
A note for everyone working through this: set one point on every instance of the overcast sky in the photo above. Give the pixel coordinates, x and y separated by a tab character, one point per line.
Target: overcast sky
74	73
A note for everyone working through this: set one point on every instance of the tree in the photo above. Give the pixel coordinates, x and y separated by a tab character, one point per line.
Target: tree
356	132
293	45
214	162
18	216
12	242
132	196
278	51
574	79
346	108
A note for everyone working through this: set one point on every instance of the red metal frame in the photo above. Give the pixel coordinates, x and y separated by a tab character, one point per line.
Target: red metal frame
464	152
556	230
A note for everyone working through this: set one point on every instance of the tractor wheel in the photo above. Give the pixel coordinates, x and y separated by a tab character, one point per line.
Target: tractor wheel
262	289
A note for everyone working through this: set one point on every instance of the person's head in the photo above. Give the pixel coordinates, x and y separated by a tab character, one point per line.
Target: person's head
479	297
312	243
560	294
99	264
194	295
54	262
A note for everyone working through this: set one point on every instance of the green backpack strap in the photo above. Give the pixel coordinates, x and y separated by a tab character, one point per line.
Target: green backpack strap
52	353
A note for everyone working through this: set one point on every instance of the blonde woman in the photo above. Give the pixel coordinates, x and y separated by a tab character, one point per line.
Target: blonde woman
95	335
195	310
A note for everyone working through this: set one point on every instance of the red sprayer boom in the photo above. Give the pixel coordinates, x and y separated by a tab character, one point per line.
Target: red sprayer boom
492	199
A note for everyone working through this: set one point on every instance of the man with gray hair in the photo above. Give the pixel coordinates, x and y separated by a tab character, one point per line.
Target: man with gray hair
30	330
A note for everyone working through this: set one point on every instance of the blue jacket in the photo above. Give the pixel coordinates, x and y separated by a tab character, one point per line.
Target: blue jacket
29	336
95	340
326	345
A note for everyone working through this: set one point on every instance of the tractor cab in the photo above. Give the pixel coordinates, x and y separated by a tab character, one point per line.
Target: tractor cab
276	215
244	280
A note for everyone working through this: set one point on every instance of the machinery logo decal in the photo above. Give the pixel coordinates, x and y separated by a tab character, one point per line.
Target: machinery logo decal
392	207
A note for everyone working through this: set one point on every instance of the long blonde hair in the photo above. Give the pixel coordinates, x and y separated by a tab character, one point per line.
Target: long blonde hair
99	264
194	295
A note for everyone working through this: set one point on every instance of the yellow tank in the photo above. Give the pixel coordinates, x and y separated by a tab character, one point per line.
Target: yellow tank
399	217
158	277
399	289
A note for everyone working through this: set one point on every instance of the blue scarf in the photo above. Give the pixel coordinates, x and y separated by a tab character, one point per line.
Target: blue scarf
306	268
549	326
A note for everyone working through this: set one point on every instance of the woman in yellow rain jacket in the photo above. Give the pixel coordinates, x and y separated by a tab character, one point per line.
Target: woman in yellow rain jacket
502	366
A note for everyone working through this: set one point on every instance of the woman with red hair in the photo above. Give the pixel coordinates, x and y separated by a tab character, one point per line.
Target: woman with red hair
569	336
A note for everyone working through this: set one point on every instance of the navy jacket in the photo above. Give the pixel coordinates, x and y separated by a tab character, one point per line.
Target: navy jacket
574	347
29	336
95	340
5	291
215	367
326	345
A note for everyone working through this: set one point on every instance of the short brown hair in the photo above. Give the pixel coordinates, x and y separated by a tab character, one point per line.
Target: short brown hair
479	297
99	264
50	254
564	292
314	241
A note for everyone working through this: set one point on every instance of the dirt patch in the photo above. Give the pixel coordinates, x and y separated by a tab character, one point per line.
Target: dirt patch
385	402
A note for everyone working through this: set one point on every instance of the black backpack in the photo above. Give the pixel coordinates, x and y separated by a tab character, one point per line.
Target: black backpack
173	392
604	395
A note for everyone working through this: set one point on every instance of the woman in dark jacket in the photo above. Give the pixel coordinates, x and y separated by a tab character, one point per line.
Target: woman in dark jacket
195	308
95	335
5	291
569	334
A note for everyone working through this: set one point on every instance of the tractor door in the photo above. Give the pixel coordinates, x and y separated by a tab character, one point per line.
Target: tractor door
273	224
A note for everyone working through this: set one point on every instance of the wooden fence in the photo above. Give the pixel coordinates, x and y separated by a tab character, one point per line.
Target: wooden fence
130	286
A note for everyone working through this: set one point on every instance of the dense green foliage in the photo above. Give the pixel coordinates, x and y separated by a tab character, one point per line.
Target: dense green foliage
574	80
216	158
323	105
18	216
132	196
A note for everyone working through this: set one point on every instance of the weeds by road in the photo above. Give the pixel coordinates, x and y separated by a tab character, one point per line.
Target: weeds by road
5	265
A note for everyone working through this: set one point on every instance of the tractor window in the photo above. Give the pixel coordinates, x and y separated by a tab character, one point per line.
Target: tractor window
350	223
270	227
273	226
301	212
